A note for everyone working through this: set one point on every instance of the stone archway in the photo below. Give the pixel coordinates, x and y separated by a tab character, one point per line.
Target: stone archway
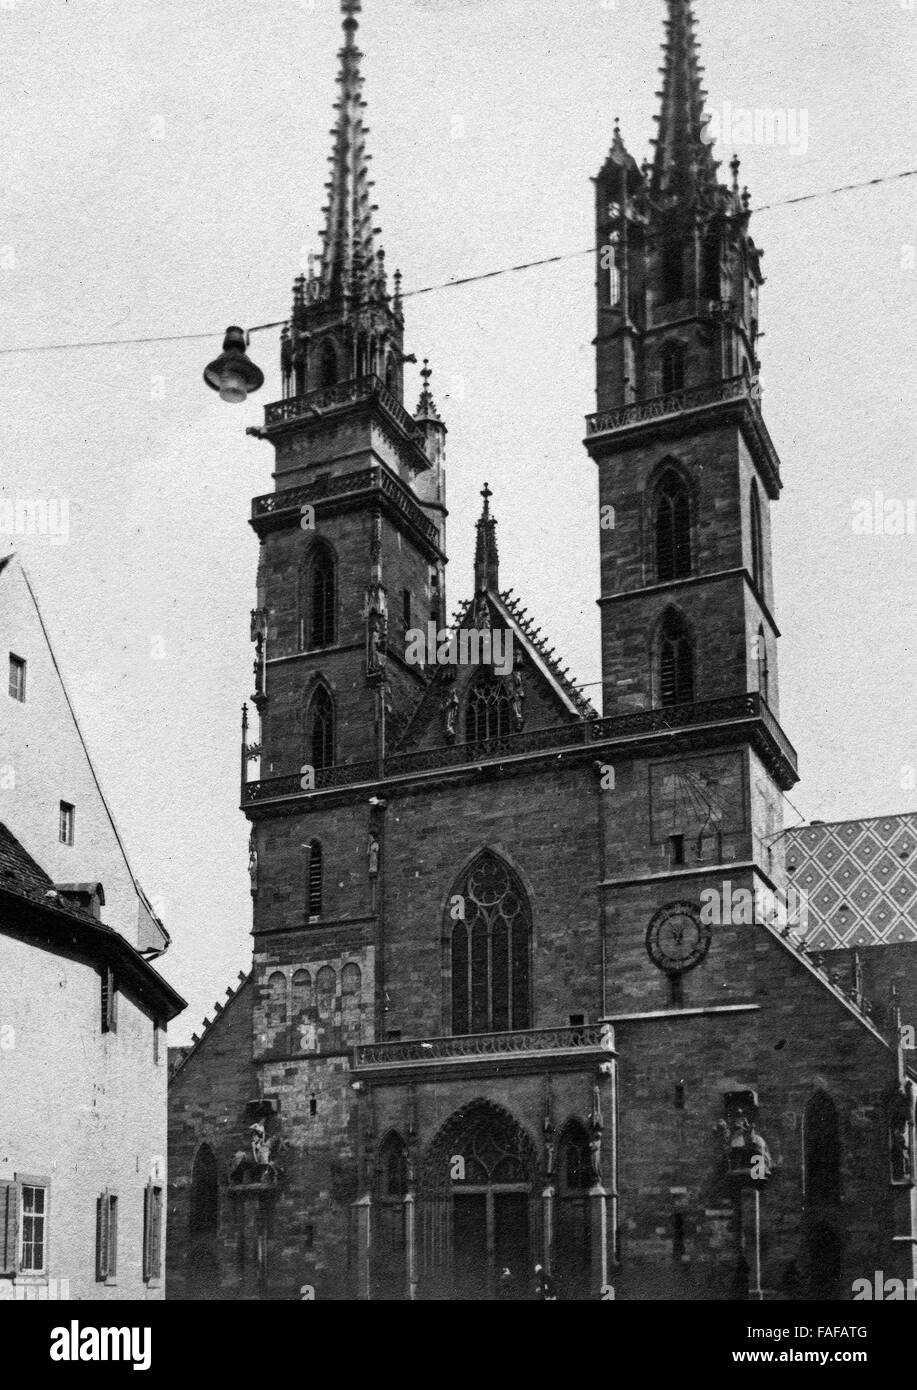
478	1208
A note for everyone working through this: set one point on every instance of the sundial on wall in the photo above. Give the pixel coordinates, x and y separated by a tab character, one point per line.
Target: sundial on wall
699	798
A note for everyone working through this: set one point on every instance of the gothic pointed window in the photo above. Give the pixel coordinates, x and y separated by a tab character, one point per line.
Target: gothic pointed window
321	729
712	283
488	713
673	528
322	598
388	1216
673	368
301	1012
205	1193
314	883
822	1147
572	1231
490	950
672	268
329	365
351	985
757	549
676	662
362	356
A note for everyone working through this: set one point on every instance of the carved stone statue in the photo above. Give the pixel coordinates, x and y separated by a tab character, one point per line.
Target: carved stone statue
746	1149
376	640
259	664
517	699
253	863
899	1140
450	716
482	613
258	1164
373	853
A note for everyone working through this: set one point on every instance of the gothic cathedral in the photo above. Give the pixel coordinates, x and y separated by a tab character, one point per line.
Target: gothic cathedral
526	987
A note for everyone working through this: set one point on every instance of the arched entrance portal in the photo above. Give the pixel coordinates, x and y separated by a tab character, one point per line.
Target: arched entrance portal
478	1213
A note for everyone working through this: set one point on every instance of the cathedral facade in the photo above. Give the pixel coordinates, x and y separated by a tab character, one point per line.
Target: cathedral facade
526	984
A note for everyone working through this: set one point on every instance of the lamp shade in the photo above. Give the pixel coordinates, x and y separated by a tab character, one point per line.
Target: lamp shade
233	373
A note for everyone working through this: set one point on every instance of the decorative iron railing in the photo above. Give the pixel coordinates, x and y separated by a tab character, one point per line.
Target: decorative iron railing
360	388
588	1036
675	403
578	733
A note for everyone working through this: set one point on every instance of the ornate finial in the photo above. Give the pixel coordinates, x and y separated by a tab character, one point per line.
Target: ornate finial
397	278
426	406
735	165
486	494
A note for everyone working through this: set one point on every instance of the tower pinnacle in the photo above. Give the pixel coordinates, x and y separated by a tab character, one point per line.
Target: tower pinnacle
486	558
351	261
684	163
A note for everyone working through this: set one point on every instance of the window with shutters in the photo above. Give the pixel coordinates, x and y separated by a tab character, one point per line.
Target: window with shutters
109	1001
675	681
9	1220
314	879
320	724
672	515
33	1227
106	1237
152	1232
490	948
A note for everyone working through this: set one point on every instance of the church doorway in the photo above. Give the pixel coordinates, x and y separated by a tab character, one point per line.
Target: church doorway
490	1233
478	1208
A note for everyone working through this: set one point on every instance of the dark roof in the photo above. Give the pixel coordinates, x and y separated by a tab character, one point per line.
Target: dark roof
18	870
37	910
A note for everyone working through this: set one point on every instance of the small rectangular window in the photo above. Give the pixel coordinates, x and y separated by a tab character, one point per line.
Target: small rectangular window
677	849
33	1242
17	678
109	1001
67	820
106	1238
577	1020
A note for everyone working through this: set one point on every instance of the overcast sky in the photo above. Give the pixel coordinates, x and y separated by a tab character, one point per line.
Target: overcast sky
161	166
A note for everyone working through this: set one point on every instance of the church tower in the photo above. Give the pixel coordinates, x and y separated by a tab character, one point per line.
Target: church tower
687	476
352	558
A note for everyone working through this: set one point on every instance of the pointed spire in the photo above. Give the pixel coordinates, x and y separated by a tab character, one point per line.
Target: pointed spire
350	262
486	558
684	160
426	406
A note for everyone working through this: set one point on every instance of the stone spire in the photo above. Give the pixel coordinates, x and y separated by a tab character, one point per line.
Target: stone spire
684	165
486	559
352	263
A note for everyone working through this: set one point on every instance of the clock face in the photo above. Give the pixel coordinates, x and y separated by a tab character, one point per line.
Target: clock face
677	939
